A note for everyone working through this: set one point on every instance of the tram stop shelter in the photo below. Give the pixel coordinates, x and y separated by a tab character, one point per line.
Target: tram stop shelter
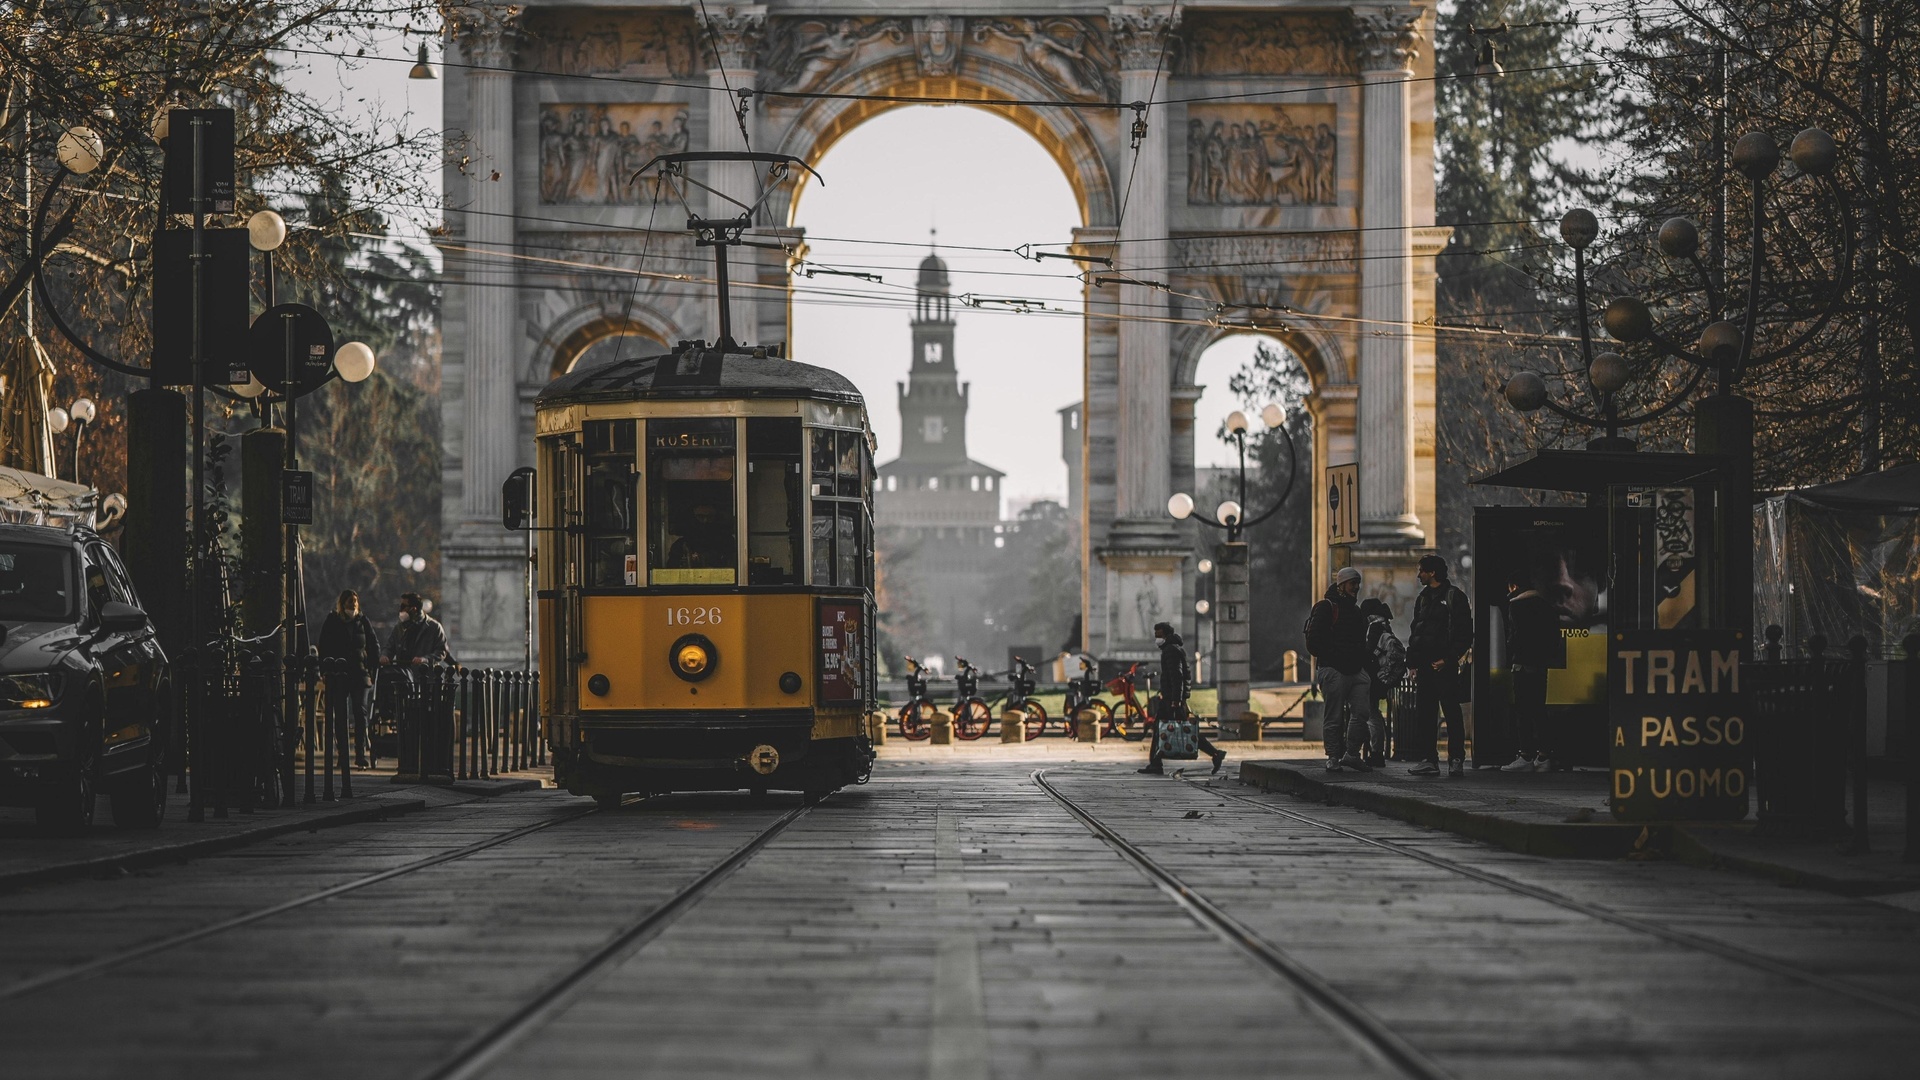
1634	553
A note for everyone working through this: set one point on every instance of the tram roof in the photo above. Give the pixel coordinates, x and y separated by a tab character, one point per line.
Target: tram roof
694	372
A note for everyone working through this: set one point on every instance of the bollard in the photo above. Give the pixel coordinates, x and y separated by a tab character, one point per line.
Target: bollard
1089	722
1013	726
1313	721
1252	728
1911	747
877	729
942	728
1857	684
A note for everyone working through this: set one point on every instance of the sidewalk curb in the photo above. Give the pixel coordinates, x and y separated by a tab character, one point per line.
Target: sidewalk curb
1595	840
1691	847
378	810
490	788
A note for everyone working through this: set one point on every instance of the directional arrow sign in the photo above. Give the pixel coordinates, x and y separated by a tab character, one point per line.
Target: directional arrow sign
1343	504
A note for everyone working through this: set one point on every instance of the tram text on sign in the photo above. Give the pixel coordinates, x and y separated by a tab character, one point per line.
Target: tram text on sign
1677	737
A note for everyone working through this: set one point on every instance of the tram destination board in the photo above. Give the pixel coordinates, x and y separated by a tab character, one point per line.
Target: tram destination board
1677	738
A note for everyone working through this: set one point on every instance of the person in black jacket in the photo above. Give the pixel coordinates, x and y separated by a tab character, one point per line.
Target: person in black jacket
349	653
1176	680
1442	633
1337	638
1534	644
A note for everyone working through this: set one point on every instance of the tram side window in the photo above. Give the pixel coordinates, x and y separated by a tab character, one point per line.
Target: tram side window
610	502
776	510
851	445
823	543
825	460
847	546
691	534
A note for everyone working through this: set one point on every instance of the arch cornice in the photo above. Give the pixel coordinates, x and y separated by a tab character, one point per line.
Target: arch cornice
571	333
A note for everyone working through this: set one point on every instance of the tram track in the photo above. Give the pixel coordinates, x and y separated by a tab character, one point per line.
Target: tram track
1721	949
90	968
1367	1032
480	1052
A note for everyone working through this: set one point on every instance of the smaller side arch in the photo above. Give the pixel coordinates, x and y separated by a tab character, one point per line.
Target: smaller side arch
1192	342
571	336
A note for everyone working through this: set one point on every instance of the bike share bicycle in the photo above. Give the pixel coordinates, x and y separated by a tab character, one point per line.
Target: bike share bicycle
1019	696
970	714
1129	719
1083	694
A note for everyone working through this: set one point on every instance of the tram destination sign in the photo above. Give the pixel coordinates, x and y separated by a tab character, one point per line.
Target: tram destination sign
1677	731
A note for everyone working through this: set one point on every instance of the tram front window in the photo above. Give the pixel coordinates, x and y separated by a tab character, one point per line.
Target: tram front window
610	503
691	533
775	510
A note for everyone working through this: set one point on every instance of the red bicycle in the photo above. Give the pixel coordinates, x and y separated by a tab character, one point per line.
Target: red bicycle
1129	719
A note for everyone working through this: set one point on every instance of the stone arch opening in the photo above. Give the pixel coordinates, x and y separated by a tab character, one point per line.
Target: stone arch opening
1067	135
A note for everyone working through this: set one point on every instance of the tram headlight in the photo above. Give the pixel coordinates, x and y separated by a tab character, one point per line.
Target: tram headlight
693	657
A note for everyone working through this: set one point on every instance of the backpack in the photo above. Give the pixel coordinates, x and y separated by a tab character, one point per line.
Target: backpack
1389	656
1320	640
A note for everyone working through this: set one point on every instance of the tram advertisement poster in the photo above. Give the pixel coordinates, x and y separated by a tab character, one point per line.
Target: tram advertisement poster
1677	737
842	659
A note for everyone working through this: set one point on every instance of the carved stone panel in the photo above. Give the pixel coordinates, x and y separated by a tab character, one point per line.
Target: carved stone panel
631	43
1261	155
1269	45
589	153
804	53
1072	55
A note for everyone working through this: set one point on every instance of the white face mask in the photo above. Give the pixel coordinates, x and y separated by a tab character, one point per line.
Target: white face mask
1160	641
405	615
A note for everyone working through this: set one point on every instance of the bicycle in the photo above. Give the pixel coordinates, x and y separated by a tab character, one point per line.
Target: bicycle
971	717
1082	695
916	716
1129	720
1019	696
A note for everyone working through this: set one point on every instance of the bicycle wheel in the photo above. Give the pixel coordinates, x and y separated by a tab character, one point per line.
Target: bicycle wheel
1036	719
916	720
971	719
1129	722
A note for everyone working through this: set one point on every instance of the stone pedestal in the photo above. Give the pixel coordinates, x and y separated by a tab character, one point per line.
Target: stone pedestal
1313	721
1089	729
877	729
1013	726
942	728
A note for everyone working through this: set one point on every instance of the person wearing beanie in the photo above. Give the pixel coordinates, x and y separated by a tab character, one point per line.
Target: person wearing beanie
1442	633
1337	639
1176	679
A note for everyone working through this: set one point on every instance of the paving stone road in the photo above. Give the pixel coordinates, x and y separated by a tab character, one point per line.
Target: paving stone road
950	920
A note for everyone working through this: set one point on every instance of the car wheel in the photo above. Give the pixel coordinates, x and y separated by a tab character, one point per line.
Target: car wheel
68	809
140	800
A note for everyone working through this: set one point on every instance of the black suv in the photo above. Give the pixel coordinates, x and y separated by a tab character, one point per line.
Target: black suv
85	697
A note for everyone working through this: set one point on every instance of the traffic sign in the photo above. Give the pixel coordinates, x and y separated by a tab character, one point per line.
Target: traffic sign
1343	504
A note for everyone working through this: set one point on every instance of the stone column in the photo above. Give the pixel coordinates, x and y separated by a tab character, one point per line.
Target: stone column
1386	41
732	35
1140	40
492	424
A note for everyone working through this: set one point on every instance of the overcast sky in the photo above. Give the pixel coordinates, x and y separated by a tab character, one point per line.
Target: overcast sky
978	180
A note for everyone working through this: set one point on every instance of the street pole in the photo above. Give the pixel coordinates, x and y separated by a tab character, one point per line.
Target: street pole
1232	630
196	676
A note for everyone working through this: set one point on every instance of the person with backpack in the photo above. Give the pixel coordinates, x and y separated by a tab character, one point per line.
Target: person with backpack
1534	644
1442	633
1175	679
1386	666
1337	640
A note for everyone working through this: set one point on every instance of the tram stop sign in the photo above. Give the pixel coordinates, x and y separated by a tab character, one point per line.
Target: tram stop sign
1677	729
1343	504
290	333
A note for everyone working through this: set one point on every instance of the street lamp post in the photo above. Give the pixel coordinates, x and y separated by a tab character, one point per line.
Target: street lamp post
1726	348
1232	580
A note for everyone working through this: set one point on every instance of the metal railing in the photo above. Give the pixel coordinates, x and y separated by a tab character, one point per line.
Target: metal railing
455	723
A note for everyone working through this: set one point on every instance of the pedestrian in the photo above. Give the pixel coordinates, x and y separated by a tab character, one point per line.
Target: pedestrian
1337	638
349	654
1534	645
1442	633
1176	679
418	638
1386	666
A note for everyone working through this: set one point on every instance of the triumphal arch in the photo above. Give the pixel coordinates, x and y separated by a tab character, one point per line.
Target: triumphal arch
1280	177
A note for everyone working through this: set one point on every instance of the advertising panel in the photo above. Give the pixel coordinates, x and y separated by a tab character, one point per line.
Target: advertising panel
843	662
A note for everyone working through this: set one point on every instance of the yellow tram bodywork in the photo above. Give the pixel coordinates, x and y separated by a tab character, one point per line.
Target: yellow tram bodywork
777	676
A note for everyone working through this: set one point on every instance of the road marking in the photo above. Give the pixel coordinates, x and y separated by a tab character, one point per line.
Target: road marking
957	1041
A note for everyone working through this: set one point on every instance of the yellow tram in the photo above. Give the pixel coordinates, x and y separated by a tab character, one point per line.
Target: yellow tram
705	562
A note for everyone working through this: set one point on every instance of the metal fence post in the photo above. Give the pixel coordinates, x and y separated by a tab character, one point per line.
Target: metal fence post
306	723
1910	748
1772	648
1857	720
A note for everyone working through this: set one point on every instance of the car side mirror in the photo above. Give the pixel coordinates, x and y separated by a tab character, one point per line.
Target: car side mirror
121	618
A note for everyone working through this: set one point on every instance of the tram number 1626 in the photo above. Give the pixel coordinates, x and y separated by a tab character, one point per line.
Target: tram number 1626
693	616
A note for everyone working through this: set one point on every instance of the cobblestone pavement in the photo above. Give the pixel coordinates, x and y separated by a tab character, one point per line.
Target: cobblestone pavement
952	919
